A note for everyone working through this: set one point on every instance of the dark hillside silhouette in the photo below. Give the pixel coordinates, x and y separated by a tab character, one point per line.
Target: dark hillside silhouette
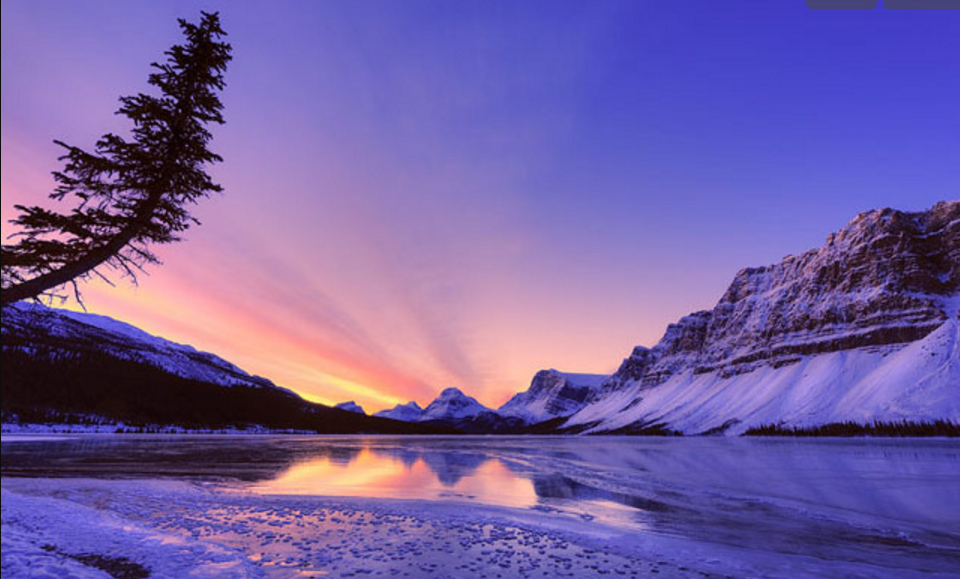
43	385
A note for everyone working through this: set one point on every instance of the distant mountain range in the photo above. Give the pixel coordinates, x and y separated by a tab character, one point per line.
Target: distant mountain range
88	371
454	409
864	328
552	394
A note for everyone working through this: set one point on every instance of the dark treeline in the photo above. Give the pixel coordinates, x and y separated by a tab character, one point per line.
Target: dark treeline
645	429
89	388
876	428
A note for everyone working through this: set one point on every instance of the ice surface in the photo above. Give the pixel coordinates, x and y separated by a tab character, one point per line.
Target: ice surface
273	506
41	533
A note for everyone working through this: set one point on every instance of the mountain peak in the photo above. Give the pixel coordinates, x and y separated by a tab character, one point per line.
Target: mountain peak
351	406
552	394
409	412
453	404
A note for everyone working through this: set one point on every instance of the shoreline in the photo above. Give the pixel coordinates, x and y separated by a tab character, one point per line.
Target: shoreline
951	430
231	534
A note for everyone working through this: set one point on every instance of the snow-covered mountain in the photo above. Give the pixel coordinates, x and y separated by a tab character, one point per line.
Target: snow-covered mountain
455	410
453	405
552	394
351	406
38	325
863	328
409	412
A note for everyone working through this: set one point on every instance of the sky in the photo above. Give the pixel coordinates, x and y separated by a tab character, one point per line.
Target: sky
429	194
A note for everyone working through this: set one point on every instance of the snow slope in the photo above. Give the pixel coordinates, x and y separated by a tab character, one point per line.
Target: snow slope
409	412
33	325
919	382
864	328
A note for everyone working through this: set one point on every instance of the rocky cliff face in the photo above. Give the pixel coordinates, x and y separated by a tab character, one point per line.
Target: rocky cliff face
886	280
552	394
880	280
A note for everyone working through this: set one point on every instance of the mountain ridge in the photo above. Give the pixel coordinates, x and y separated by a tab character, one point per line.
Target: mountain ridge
885	281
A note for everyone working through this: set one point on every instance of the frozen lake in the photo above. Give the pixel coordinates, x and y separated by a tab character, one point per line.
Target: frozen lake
684	507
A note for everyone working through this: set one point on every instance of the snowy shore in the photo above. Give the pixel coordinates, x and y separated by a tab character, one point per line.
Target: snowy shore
18	429
179	529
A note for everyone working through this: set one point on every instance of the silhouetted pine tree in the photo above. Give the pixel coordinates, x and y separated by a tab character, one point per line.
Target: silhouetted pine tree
128	193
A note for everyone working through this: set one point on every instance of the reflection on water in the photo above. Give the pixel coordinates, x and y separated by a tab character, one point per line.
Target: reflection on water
836	498
403	474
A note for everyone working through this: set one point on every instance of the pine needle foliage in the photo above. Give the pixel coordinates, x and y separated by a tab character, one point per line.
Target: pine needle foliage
128	194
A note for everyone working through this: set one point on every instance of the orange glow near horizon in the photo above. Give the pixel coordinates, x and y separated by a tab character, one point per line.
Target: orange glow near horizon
288	359
417	199
376	348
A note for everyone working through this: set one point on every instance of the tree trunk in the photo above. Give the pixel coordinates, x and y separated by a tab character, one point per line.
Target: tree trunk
33	287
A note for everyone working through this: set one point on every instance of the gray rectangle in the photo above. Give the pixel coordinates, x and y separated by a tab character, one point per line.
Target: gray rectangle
841	4
919	4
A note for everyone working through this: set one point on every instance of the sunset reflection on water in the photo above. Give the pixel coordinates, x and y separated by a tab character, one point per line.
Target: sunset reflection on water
383	473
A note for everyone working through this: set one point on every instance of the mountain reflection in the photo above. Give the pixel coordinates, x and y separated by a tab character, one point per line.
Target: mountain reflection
450	468
557	486
393	472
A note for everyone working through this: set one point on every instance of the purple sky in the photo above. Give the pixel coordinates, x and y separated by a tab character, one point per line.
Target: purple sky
422	195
